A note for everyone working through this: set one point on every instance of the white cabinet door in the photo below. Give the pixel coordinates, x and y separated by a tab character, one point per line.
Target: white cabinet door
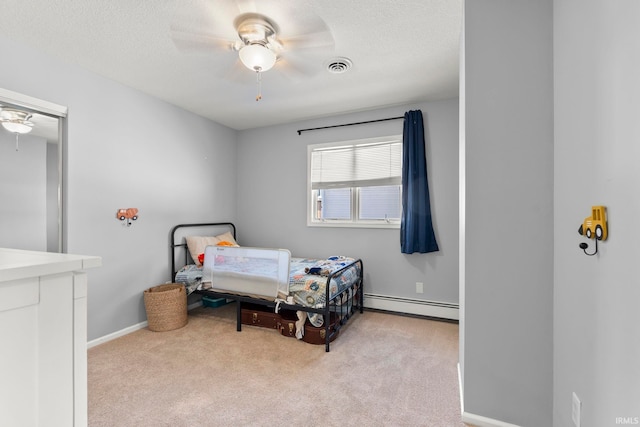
43	351
19	352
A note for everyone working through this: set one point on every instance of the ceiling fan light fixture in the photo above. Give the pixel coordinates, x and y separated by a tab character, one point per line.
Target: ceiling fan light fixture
257	57
20	128
16	121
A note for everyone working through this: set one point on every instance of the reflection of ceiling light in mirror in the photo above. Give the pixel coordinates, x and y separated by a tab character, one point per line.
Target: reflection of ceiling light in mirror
16	121
17	127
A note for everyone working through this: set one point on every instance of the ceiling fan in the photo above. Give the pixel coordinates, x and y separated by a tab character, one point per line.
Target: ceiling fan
258	43
16	121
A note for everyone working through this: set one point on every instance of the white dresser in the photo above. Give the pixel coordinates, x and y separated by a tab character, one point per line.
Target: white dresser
43	338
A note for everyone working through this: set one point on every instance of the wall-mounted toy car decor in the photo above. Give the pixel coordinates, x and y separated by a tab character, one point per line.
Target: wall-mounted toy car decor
596	224
594	227
128	215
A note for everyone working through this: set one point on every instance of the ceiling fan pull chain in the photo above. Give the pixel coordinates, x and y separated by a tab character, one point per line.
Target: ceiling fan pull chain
17	135
258	85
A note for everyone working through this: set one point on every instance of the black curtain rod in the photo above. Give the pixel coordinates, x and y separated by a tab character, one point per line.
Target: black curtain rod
350	124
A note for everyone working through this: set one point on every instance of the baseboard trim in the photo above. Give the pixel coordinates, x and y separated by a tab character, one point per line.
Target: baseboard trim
130	329
442	310
473	419
117	334
480	421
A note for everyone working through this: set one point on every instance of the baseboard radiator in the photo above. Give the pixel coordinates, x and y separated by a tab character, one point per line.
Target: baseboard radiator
444	310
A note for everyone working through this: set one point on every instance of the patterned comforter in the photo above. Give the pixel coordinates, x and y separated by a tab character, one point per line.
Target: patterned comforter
307	280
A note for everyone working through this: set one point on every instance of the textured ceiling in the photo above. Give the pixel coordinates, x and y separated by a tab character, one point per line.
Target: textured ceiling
402	52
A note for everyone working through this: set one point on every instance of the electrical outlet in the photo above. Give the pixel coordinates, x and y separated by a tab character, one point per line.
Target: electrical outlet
576	407
419	288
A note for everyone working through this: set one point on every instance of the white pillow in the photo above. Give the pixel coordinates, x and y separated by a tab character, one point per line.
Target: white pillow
227	237
196	245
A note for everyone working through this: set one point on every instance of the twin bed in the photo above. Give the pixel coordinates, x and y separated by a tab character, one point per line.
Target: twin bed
207	259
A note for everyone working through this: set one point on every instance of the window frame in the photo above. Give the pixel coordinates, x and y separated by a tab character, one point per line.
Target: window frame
355	222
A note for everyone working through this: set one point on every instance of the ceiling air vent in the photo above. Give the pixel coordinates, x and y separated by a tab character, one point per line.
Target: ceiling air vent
339	65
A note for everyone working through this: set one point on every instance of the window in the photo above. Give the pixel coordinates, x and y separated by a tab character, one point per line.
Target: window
355	183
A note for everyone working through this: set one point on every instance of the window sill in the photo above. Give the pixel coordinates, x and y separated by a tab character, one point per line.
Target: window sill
336	224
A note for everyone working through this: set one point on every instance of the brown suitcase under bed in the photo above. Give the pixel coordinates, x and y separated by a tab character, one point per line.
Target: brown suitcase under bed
259	315
312	334
285	323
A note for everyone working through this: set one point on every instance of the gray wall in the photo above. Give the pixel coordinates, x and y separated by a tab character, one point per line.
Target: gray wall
53	196
126	149
23	188
272	185
508	263
597	102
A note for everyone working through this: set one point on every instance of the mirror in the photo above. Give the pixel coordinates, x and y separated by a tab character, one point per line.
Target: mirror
31	178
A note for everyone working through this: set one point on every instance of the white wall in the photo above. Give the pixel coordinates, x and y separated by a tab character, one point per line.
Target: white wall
508	260
272	185
597	102
126	149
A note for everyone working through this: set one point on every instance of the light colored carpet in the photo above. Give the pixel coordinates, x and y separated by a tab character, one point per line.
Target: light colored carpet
383	370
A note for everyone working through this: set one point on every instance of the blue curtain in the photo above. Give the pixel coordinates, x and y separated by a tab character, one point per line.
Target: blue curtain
416	230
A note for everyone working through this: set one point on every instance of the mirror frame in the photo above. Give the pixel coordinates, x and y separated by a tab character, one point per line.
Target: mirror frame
60	112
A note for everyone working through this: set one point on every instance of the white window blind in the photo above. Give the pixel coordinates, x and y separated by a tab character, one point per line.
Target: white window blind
376	163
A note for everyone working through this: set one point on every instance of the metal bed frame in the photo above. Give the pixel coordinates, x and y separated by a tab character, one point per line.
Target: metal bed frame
344	311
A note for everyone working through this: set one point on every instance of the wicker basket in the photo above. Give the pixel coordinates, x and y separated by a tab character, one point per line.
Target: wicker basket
166	307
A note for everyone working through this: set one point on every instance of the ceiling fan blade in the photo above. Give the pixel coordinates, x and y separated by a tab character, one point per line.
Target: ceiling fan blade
306	32
201	25
245	6
202	42
304	55
295	67
317	40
